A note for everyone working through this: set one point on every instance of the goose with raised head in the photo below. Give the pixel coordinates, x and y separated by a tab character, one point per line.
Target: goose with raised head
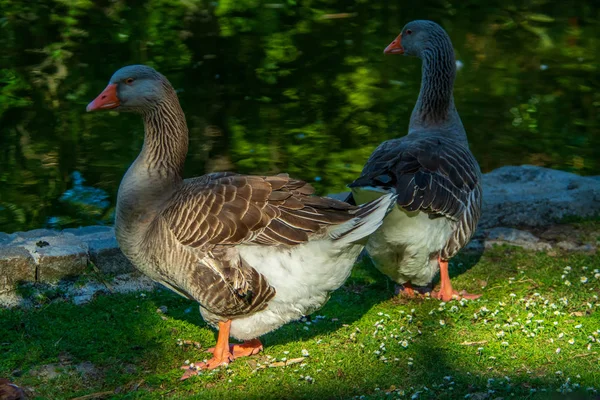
431	169
255	251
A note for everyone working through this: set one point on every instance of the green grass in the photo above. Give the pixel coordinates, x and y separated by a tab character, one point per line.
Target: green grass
366	342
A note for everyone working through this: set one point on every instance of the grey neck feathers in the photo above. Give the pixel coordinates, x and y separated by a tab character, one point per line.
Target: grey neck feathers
166	138
435	106
157	171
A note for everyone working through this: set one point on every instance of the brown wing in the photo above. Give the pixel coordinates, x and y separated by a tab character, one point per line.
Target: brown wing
225	209
433	174
218	210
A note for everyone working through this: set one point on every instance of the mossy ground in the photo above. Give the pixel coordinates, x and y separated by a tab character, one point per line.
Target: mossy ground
535	333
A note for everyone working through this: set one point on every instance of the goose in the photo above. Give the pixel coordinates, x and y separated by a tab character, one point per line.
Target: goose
431	169
256	252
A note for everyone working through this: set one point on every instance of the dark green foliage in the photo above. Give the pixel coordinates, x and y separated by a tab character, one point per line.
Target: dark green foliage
300	87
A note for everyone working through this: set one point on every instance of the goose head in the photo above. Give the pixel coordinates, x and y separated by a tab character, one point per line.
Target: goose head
135	88
416	37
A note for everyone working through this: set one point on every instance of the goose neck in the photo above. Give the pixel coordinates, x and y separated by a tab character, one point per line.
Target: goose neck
435	106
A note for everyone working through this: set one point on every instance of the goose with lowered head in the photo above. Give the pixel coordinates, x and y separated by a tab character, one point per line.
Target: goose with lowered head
255	251
431	169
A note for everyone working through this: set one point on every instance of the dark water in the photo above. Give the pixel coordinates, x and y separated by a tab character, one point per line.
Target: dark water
294	86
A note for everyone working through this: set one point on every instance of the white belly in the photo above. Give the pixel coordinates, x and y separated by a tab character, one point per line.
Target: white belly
405	247
303	278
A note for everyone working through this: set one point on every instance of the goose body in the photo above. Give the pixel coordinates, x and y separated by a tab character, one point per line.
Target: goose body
431	169
255	252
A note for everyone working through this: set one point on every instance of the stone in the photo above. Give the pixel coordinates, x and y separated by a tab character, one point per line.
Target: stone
64	256
56	254
5	237
16	265
534	196
511	235
514	237
566	245
36	233
103	249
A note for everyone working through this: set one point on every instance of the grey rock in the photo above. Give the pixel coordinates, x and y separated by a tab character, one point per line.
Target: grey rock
5	237
103	249
36	233
511	235
566	245
55	254
534	196
85	231
16	265
64	256
514	237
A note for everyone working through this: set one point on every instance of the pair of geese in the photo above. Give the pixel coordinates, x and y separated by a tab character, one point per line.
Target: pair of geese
260	251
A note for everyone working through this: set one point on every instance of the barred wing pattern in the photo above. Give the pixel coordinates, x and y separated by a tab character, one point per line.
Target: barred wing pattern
433	174
217	211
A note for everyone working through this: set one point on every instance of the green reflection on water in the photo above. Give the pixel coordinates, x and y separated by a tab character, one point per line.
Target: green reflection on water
295	86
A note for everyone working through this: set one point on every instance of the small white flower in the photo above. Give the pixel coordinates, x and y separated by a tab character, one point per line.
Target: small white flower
578	326
571	341
555	322
557	350
442	322
560	335
512	295
505	344
558	373
583	279
500	334
410	363
597	275
404	343
304	353
567	283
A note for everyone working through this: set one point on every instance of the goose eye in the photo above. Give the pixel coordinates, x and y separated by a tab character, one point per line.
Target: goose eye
129	81
408	32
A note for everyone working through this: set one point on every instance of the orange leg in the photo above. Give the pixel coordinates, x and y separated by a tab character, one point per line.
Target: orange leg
248	348
406	291
446	293
221	353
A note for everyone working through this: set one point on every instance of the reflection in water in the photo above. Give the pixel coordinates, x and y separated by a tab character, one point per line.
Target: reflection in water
83	204
300	87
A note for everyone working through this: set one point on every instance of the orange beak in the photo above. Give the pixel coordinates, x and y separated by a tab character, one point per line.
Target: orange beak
106	100
395	47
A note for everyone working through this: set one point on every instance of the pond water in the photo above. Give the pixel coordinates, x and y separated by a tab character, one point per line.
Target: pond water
279	86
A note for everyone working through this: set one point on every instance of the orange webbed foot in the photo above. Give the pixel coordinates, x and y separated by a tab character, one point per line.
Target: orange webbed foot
447	295
248	348
221	353
406	290
446	292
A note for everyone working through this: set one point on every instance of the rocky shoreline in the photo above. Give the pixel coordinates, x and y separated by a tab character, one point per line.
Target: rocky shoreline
523	206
